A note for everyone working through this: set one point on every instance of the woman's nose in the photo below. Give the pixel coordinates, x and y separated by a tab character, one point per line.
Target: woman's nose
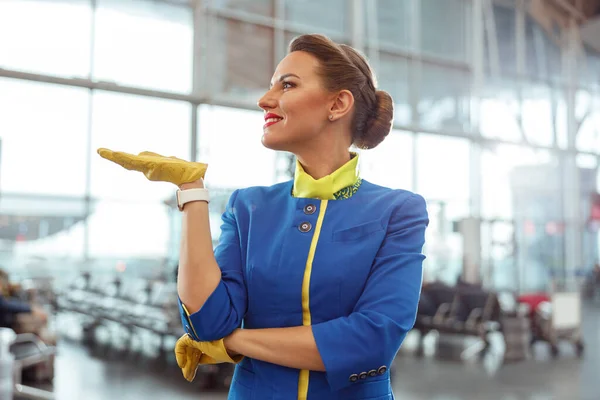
267	102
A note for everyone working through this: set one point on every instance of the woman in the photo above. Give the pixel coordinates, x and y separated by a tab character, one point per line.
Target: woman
316	281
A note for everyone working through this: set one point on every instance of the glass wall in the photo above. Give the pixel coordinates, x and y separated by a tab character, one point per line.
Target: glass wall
62	207
481	110
49	37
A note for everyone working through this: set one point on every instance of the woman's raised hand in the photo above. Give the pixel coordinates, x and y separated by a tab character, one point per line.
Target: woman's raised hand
157	167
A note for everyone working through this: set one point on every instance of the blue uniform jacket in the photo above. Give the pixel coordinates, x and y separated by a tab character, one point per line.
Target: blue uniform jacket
351	267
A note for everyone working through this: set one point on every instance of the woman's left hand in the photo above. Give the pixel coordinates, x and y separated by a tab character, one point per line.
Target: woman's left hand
157	167
190	353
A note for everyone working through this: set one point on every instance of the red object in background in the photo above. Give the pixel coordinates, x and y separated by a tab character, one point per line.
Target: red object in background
551	228
595	207
529	228
555	228
533	300
121	266
20	238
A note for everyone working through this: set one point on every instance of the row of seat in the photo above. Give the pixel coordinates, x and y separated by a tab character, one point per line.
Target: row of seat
151	305
465	309
134	303
139	307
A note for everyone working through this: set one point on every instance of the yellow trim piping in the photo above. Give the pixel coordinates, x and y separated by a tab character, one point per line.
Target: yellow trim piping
306	319
187	313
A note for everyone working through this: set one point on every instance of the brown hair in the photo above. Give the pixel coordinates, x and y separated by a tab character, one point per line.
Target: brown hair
342	67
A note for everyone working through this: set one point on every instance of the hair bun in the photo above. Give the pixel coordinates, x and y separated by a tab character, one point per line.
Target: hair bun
380	123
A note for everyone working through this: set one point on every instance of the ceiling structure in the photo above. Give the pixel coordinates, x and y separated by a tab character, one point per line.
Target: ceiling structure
590	30
556	15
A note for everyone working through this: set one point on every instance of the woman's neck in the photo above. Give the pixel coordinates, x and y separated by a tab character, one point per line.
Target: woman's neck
320	165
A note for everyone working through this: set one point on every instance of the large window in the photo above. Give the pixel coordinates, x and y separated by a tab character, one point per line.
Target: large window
61	201
542	55
499	111
242	69
258	7
505	23
443	28
538	114
392	75
519	189
443	179
144	43
587	113
589	66
443	171
43	133
500	177
50	37
390	19
444	98
391	163
328	17
134	42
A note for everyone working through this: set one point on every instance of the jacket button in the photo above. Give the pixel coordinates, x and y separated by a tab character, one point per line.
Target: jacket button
305	227
372	373
310	209
353	378
382	370
363	375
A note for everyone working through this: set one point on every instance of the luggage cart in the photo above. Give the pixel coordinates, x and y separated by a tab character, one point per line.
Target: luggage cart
560	319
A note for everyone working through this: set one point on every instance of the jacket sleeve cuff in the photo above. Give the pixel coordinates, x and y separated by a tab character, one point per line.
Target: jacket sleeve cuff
347	359
213	320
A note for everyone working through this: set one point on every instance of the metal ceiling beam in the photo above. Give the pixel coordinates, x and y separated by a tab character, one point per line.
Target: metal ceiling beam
570	9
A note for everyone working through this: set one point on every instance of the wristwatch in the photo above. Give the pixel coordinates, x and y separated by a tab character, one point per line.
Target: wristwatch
188	195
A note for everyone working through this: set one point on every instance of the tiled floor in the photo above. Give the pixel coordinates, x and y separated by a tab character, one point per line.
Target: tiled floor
82	376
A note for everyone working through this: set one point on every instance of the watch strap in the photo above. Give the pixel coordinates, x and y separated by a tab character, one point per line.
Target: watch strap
189	195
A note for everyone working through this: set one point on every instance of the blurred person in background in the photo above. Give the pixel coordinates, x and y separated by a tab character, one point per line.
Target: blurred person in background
14	310
316	281
591	286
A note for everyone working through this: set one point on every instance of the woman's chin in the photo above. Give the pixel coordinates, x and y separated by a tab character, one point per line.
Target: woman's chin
271	141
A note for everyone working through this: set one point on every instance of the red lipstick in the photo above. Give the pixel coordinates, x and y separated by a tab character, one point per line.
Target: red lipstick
270	119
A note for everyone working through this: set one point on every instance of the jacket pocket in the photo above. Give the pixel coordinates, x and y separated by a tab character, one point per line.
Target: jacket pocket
357	232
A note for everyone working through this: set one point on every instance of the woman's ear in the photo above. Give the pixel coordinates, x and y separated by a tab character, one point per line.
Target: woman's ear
342	105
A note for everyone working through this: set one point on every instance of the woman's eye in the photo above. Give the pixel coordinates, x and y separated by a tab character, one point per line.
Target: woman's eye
287	85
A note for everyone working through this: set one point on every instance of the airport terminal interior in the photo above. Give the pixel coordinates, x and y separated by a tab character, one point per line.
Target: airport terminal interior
496	124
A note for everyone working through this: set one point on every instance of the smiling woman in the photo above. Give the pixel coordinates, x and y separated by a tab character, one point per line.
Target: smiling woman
288	287
285	251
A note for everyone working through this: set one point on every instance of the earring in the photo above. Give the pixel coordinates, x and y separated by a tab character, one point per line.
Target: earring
331	117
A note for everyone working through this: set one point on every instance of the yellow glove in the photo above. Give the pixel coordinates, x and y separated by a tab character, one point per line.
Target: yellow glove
156	167
190	353
188	358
